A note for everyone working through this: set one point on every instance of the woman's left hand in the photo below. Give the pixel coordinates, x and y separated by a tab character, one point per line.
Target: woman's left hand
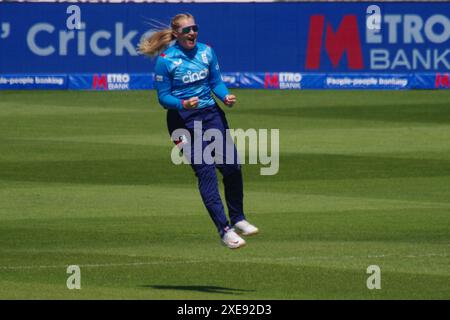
229	100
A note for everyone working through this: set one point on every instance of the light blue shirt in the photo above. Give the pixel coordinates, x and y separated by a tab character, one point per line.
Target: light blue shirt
181	74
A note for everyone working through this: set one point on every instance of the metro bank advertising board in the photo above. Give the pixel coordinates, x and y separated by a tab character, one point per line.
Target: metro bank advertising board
397	42
259	45
264	37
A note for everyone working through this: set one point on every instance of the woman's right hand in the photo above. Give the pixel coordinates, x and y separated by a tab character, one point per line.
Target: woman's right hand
230	100
190	103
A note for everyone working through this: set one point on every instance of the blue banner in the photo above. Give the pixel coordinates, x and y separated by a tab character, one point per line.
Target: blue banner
231	79
290	80
33	81
368	81
431	81
395	38
110	81
246	80
282	80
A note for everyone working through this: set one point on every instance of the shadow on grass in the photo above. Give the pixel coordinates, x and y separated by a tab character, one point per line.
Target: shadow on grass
199	288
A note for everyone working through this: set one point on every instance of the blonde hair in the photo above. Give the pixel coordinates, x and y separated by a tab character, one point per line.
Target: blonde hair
160	40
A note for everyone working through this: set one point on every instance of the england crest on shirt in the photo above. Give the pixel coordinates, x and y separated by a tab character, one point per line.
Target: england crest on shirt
204	57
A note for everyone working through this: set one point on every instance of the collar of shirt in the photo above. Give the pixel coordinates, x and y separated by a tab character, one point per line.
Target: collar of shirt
191	52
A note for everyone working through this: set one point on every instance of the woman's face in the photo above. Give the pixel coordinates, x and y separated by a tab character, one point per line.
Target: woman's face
186	33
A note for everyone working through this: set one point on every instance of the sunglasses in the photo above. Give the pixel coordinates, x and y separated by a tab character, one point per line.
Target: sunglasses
186	30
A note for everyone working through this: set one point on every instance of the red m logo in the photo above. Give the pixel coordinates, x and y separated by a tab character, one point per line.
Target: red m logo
100	82
345	39
442	81
271	81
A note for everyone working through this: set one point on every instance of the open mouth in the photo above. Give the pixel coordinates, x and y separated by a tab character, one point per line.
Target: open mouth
191	39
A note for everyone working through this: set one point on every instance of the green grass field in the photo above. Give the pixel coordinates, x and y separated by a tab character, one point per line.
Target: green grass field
86	179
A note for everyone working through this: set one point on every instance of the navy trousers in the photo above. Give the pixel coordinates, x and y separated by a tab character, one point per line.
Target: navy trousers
212	118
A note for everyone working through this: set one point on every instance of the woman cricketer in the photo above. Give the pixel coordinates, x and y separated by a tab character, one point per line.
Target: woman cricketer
186	74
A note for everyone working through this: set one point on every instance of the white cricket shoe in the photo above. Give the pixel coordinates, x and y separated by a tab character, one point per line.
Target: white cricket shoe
232	240
245	228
